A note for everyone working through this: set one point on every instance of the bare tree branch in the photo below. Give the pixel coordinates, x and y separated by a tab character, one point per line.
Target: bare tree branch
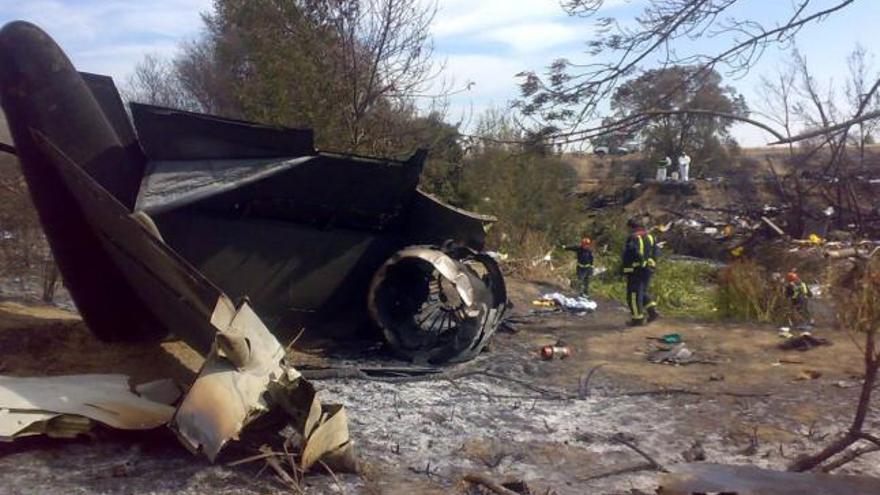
570	95
832	129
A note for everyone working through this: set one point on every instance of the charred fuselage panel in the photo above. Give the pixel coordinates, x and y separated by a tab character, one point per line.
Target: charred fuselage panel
240	208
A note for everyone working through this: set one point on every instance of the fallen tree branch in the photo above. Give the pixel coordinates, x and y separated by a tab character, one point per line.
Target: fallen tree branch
746	395
849	457
662	391
584	385
619	438
681	391
855	433
283	475
828	130
645	466
479	479
871	438
525	384
257	457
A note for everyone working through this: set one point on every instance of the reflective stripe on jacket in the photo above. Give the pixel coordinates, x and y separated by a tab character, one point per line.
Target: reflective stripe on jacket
799	290
640	251
650	255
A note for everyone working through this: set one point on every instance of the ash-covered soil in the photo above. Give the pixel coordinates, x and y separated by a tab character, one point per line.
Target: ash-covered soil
508	414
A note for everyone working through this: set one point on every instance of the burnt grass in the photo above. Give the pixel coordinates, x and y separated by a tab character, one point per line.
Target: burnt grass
508	414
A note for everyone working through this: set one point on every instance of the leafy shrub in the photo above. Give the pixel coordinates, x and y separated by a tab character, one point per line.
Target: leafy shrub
526	192
681	288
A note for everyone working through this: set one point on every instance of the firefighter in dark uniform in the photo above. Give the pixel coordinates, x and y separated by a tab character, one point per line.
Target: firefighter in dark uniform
652	252
638	263
584	271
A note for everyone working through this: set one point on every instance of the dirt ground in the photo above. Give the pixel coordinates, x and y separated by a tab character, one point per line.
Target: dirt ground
513	416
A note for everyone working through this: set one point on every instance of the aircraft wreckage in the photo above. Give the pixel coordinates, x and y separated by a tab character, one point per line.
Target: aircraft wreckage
232	235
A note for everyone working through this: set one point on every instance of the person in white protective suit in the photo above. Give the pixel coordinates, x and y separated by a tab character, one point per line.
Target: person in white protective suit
662	166
684	167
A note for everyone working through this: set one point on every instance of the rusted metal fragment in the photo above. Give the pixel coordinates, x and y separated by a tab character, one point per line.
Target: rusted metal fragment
103	398
436	306
691	479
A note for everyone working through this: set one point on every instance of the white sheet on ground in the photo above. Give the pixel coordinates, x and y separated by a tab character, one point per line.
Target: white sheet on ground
580	303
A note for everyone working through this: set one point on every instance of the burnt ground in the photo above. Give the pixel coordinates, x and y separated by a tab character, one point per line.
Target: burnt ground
506	418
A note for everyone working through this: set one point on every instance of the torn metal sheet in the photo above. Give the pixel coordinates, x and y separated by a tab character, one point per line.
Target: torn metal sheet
15	424
322	428
103	398
328	441
690	479
20	424
247	361
228	391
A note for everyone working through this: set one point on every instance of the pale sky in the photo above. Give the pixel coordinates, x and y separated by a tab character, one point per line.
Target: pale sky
481	41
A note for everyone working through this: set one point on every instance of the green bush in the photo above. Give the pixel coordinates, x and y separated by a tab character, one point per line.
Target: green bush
526	188
681	288
527	192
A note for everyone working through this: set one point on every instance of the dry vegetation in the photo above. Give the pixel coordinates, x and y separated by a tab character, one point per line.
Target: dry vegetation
26	265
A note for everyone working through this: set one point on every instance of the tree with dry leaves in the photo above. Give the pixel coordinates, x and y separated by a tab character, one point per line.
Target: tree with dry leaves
350	69
705	137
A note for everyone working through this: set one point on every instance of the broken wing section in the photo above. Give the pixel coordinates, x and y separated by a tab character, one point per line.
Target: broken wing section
436	306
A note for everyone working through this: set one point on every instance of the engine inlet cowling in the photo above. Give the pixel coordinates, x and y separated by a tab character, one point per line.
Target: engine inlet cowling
437	306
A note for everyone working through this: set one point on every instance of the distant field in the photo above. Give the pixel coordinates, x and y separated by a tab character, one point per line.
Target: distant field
591	168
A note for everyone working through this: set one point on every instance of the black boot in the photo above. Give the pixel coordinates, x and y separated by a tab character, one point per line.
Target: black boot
652	314
636	322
